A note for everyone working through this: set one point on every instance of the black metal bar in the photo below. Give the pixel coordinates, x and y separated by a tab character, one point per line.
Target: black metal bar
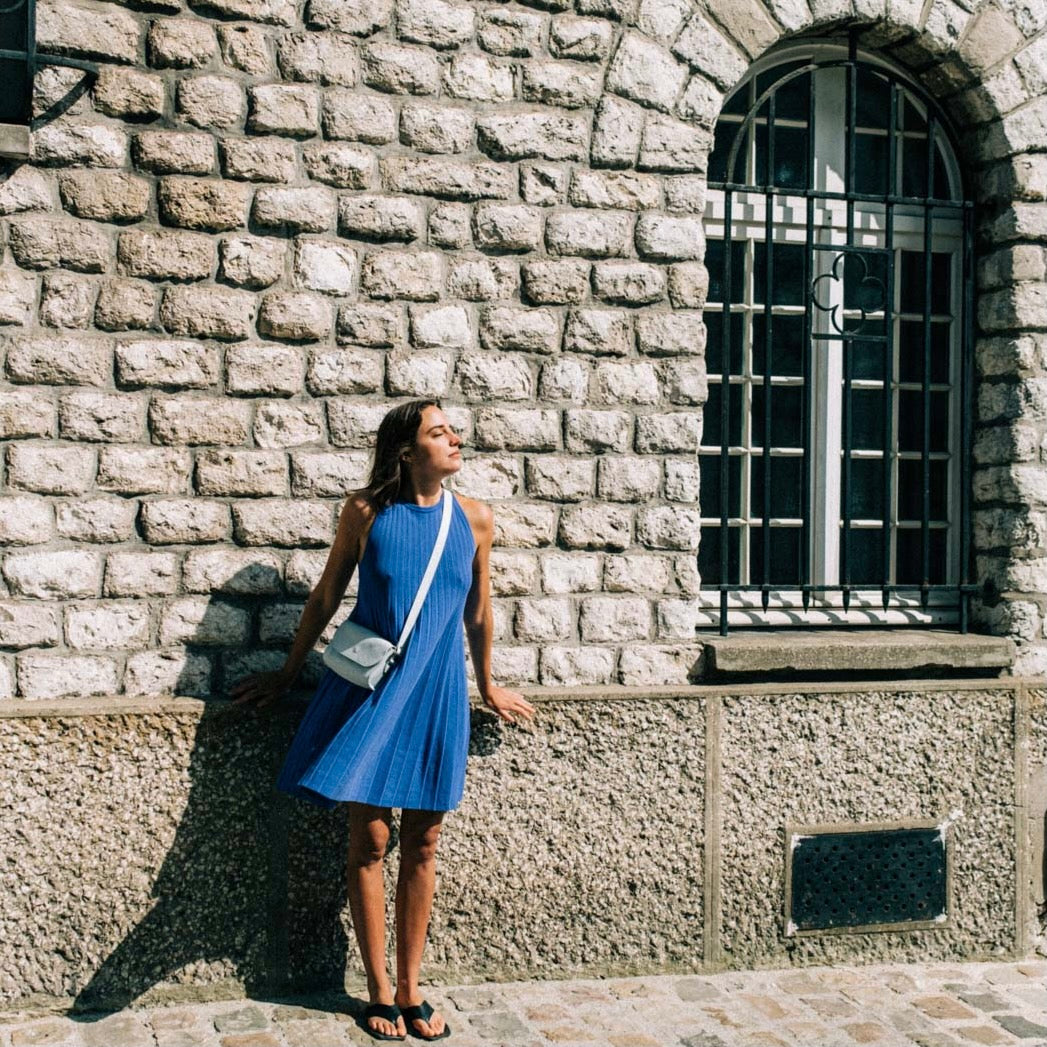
858	198
845	479
725	405
852	119
928	286
768	235
888	353
807	410
895	587
966	414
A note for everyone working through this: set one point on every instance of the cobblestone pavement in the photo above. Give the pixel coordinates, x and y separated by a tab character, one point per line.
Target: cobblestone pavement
931	1006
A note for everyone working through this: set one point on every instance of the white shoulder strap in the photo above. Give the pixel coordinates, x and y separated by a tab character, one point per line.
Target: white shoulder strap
430	571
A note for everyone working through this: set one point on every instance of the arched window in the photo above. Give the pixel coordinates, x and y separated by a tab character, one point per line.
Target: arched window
835	454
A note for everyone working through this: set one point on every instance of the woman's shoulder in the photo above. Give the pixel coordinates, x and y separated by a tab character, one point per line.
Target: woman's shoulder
479	514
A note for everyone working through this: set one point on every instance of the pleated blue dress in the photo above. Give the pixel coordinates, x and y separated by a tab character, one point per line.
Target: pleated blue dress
405	743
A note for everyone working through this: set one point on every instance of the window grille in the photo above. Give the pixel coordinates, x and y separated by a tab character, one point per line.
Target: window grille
835	460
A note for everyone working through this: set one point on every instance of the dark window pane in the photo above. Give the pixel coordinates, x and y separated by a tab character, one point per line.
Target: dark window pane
787	276
910	489
913	289
865	281
872	100
714	253
914	166
865	497
790	100
784	560
710	466
790	157
14	100
910	557
786	411
912	117
871	162
867	359
714	342
786	484
709	555
711	416
911	420
786	345
942	188
867	417
862	562
723	140
910	352
738	103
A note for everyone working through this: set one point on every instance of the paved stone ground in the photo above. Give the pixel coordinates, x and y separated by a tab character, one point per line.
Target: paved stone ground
930	1006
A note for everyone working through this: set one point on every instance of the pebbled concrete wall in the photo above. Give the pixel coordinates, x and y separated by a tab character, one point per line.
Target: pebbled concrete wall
629	831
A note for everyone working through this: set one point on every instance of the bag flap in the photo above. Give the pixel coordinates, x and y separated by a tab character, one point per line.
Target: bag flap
360	644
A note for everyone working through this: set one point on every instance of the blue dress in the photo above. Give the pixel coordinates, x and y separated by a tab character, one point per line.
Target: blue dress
404	744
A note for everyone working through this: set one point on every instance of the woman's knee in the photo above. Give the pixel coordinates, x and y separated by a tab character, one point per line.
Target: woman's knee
418	842
368	842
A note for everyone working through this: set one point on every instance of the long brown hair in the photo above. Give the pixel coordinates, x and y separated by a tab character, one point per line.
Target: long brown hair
397	434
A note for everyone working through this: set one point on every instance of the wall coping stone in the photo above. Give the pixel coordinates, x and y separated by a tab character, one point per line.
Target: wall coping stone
14	141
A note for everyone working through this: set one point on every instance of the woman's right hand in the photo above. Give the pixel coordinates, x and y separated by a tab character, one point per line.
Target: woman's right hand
261	689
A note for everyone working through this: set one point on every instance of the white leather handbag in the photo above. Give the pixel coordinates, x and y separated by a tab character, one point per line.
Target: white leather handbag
363	657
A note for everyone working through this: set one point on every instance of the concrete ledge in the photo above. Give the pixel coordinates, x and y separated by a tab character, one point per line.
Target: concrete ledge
14	141
854	651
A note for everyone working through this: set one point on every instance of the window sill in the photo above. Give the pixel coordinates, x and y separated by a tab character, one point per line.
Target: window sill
825	653
14	141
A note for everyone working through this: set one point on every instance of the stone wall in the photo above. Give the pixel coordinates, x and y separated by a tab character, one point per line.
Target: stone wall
267	220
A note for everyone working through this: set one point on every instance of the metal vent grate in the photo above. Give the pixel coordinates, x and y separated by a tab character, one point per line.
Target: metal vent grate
866	879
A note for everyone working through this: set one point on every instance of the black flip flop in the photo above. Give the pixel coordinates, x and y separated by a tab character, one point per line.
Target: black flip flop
422	1013
386	1012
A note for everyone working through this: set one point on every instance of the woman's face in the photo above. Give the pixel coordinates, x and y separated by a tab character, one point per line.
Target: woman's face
437	446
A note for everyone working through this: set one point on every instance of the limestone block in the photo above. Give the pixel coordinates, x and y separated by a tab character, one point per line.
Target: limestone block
700	103
128	94
283	522
50	469
57	574
25	624
617	128
478	78
251	261
561	84
571	572
50	243
523	525
358	117
440	327
564	282
418	375
603	332
103	520
607	619
480	279
284	109
434	128
629	283
511	33
143	470
628	479
512	574
650	666
583	39
669	144
1010	355
514	429
688	285
140	574
166	364
543	618
399	69
507	227
342	371
523	329
210	101
669	239
258	159
26	413
17	297
300	209
328	268
686	382
637	572
559	478
107	626
668	527
208	312
564	379
586	233
173	671
621	190
99	31
271	12
246	47
67	301
370	323
180	43
595	527
354	424
65	144
380	218
202	203
438	23
618	10
1013	264
646	72
197	620
173	152
26	189
198	420
125	305
524	135
285	423
709	52
102	417
184	521
670	334
46	676
326	58
543	184
597	431
51	360
165	254
244	572
627	383
450	226
322	474
25	520
575	666
241	473
492	477
447	179
668	433
415	276
359	17
105	196
1022	305
343	166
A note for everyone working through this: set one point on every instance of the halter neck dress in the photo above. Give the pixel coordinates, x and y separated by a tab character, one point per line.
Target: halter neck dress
404	744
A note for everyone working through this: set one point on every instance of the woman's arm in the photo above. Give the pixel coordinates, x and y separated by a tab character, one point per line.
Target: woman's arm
479	620
353	524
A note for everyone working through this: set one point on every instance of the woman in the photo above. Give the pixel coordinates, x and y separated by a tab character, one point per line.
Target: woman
405	743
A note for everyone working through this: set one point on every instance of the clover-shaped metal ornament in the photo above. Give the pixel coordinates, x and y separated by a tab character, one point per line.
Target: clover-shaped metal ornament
870	294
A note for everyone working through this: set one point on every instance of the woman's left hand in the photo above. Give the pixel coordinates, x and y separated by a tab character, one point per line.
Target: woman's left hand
508	704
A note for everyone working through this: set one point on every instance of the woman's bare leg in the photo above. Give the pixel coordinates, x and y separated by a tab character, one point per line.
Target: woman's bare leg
368	839
419	833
